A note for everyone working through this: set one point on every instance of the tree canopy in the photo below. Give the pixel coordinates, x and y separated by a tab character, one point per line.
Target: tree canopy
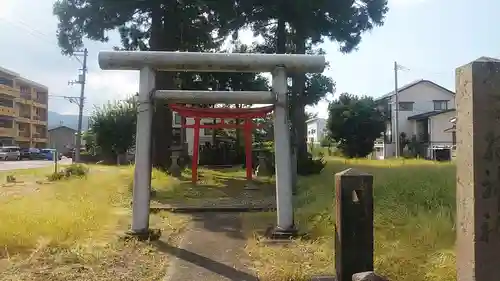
203	25
113	126
296	28
355	123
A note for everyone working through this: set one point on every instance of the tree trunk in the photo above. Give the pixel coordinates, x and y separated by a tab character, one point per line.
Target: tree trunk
299	116
163	38
281	37
214	133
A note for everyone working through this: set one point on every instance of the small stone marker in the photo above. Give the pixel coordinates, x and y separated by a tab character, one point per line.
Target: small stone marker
174	169
367	276
263	169
354	223
478	171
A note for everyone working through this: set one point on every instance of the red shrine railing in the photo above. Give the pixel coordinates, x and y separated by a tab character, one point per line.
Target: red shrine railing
247	114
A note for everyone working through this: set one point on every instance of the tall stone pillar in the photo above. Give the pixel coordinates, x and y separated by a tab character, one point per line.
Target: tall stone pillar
478	171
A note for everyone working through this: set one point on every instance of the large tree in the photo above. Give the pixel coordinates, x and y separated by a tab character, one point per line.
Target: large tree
355	123
309	22
155	25
162	25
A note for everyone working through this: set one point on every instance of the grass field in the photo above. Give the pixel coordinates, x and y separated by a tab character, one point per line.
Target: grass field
414	223
67	230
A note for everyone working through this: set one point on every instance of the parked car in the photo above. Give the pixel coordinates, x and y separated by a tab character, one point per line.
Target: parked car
10	153
71	153
31	154
48	153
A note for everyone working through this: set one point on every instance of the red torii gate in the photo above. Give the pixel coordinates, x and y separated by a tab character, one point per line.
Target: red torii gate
221	113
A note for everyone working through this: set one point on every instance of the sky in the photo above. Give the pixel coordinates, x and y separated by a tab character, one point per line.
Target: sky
429	38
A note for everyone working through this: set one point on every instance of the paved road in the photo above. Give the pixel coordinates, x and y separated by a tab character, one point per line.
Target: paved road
29	164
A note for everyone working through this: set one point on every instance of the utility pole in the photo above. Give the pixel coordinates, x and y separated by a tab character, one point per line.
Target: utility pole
81	80
396	108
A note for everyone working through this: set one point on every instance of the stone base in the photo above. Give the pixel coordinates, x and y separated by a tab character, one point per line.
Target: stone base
280	234
175	172
323	278
149	235
367	276
362	276
251	186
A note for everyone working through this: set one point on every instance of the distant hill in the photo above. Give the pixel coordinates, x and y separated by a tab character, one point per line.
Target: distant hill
56	119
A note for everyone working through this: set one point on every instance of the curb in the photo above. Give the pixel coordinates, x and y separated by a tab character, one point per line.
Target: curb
212	209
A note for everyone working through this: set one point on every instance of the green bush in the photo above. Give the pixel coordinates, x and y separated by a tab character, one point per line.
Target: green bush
11	178
78	170
311	166
56	176
73	170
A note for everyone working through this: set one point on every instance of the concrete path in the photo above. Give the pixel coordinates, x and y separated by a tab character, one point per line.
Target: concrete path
29	164
213	249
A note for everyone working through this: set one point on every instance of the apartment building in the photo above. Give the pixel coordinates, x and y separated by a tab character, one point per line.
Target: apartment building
23	111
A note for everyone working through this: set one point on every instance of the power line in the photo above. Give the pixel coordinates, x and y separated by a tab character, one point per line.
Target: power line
422	70
35	32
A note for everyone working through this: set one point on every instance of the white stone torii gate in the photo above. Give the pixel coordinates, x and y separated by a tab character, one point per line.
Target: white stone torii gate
147	62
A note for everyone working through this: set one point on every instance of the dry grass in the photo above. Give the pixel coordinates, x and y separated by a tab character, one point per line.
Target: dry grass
68	231
414	223
212	184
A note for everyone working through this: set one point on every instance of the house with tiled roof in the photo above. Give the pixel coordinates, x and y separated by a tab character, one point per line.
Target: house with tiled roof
424	112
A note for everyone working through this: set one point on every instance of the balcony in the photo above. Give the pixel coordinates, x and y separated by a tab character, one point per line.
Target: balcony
23	136
38	120
25	118
39	103
7	132
23	101
25	96
6	90
37	137
379	142
7	111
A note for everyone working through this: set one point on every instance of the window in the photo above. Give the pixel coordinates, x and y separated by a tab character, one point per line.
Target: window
7	82
41	97
207	131
406	106
440	105
25	90
177	119
454	138
176	136
4	123
6	102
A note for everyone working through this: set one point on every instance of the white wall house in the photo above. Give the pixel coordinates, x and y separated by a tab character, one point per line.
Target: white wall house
425	109
315	130
205	134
